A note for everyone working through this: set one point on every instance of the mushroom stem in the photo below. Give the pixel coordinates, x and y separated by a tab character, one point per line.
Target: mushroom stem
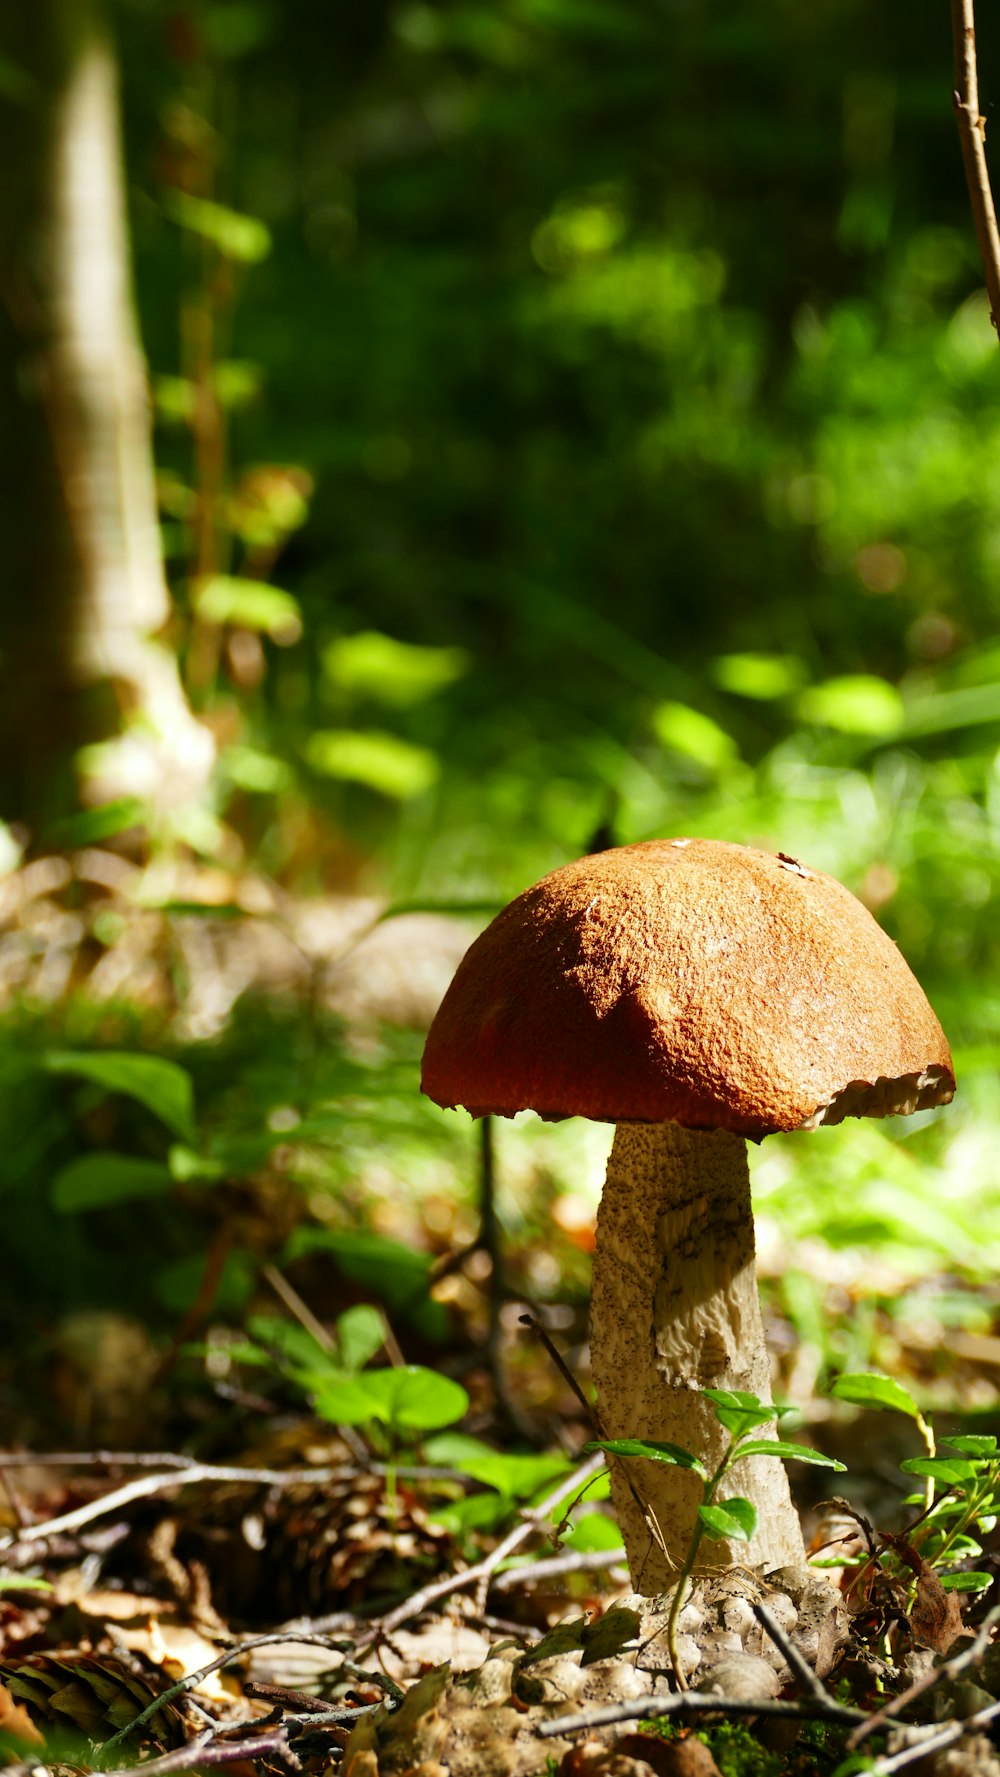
675	1310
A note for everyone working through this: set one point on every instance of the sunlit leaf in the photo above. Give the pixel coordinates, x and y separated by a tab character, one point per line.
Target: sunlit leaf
966	1582
694	735
394	672
409	1398
948	1470
187	1166
242	238
651	1450
383	762
162	1086
855	704
360	1334
594	1531
973	1444
789	1452
736	1519
250	604
865	1389
739	1411
260	774
760	676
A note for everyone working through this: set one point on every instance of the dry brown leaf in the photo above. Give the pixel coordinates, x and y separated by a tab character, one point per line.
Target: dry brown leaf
936	1618
15	1720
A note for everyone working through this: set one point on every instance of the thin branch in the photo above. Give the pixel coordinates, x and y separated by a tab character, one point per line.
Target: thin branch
794	1659
185	1474
972	135
697	1703
956	1730
953	1668
483	1570
576	1561
237	1652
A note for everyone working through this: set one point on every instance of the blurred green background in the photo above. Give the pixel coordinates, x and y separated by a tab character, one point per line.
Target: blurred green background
575	421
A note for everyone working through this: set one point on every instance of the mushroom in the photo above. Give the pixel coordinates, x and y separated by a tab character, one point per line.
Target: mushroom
697	994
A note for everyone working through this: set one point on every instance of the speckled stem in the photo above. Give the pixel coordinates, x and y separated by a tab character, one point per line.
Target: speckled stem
675	1310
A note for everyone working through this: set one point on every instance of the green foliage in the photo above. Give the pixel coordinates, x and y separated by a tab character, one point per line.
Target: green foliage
96	1180
162	1086
950	1522
739	1413
406	1400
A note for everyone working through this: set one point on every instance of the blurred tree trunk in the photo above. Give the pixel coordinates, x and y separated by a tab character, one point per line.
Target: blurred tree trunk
83	584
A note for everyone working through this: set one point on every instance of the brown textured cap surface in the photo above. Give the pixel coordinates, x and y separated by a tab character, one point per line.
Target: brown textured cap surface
711	984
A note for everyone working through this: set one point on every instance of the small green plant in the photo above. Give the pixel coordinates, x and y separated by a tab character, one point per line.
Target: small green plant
740	1414
960	1499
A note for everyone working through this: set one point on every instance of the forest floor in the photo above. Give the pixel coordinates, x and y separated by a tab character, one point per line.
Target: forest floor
307	1589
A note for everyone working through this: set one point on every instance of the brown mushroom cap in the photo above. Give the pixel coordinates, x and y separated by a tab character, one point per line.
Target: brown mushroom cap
687	979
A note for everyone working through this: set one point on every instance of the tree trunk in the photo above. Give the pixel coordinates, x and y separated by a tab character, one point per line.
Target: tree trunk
675	1310
84	587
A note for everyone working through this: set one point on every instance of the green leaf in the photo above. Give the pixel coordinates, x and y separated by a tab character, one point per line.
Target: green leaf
22	1582
788	1453
761	676
650	1451
96	1181
973	1444
397	1275
188	1167
397	673
739	1411
179	1283
516	1476
736	1519
857	703
947	1470
102	822
162	1086
298	1349
360	1334
383	762
250	604
244	239
594	1531
259	773
966	1582
410	1398
695	735
866	1389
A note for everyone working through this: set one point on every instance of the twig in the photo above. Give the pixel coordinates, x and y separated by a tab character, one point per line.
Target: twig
490	1241
555	1355
696	1703
94	1459
237	1652
795	1660
295	1305
483	1570
908	1755
577	1561
145	1486
972	135
185	1474
969	1656
594	1419
21	1517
